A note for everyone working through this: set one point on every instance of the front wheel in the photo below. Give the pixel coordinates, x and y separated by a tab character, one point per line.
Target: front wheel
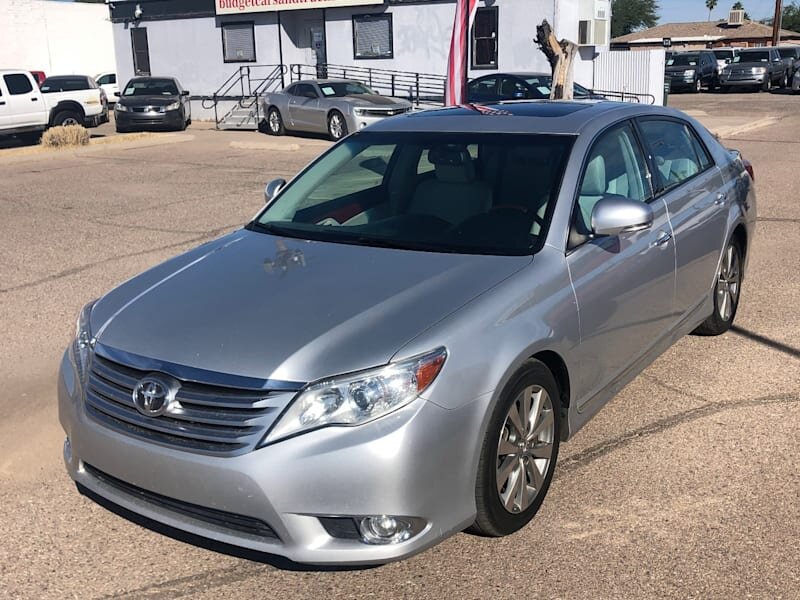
337	126
785	81
275	122
67	117
519	452
767	86
698	86
726	292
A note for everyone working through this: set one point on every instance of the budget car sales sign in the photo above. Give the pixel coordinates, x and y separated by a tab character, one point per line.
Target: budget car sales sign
227	7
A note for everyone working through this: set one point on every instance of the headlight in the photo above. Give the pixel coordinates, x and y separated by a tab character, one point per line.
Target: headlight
120	107
83	342
358	111
689	73
173	106
759	70
358	398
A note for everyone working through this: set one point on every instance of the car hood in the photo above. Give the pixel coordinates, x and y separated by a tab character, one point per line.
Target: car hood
255	305
375	100
148	100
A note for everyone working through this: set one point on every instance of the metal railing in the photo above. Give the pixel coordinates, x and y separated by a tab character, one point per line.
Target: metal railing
245	86
418	88
624	96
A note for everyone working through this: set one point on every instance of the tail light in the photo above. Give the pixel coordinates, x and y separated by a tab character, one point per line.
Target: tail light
748	166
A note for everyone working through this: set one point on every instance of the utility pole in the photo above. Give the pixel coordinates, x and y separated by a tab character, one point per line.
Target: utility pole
776	23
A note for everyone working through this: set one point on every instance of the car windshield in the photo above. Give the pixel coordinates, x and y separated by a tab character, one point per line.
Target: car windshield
748	57
343	88
542	84
683	60
787	52
65	84
151	87
723	54
439	192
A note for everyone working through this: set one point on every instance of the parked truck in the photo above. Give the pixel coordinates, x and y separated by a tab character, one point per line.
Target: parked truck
27	110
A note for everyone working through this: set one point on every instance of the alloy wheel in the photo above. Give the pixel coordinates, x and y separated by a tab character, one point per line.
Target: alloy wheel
274	121
525	449
728	283
336	126
69	121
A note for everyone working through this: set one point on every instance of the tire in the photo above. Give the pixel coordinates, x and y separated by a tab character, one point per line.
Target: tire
505	499
337	126
67	117
785	81
726	293
275	122
698	86
182	125
767	85
189	121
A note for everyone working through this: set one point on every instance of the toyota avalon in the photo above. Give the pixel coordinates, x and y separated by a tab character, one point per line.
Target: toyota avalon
394	348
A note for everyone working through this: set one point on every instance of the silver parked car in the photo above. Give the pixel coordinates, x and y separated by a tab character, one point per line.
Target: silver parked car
394	348
333	106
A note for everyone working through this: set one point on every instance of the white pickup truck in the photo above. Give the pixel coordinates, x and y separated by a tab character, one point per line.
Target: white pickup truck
25	109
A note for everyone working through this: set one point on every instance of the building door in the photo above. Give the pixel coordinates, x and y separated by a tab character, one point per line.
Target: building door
316	34
141	51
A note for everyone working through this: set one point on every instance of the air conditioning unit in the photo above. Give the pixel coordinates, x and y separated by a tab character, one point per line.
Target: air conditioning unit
736	17
602	10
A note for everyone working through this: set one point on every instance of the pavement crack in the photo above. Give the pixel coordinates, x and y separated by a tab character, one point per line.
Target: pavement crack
777	220
672	388
583	458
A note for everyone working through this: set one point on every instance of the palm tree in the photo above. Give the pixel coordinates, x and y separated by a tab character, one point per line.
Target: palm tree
710	5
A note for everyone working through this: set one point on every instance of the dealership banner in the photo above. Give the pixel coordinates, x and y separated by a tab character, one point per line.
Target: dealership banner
232	7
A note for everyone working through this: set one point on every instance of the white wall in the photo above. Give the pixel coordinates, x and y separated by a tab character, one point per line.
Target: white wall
640	72
56	37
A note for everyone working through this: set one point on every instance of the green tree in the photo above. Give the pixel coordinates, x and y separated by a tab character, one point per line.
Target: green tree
629	15
710	5
790	19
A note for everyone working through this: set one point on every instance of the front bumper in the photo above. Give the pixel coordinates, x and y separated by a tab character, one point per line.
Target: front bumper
742	80
680	83
418	462
172	119
356	122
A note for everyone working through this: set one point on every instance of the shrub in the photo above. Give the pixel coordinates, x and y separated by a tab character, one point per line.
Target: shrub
69	135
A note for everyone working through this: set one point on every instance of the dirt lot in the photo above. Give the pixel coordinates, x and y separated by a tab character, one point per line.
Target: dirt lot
686	485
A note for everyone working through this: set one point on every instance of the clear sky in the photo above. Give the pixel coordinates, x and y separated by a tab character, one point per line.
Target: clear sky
675	11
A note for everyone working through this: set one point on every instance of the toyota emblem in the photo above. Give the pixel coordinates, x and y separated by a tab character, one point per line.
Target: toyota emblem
152	395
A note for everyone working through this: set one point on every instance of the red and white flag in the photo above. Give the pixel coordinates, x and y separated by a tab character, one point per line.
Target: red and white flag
456	86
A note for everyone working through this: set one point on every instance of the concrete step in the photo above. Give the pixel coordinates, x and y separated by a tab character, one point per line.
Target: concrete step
243	124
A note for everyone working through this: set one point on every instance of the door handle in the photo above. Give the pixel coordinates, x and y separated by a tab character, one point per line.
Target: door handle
721	199
2	103
662	239
34	99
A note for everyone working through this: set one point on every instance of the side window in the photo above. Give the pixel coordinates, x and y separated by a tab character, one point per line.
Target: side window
103	80
17	83
483	88
291	90
675	151
614	167
306	91
112	78
511	89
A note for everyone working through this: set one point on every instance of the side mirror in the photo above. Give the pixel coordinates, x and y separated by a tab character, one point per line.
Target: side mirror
185	93
273	188
612	216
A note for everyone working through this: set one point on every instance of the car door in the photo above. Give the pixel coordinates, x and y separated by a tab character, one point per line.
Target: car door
697	198
24	106
624	285
302	106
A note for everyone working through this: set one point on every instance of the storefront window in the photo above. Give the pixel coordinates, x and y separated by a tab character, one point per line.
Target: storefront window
238	42
372	36
484	38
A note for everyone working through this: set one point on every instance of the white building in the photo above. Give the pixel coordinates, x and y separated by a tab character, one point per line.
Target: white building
59	38
204	42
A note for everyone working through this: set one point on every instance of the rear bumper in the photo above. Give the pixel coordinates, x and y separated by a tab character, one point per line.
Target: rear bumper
415	462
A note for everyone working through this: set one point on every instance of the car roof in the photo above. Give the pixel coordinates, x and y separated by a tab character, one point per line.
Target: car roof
517	74
324	81
534	116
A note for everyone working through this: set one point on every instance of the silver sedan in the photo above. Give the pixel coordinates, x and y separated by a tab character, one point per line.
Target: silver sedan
394	348
333	106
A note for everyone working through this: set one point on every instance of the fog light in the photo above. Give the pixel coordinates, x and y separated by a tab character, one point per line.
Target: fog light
384	529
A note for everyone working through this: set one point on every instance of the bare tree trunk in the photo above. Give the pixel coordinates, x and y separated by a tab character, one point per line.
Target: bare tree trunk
560	55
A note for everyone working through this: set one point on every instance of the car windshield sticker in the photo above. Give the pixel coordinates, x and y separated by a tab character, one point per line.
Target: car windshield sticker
327	90
544	89
129	91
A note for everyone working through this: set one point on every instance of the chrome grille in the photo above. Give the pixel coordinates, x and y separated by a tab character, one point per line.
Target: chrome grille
203	418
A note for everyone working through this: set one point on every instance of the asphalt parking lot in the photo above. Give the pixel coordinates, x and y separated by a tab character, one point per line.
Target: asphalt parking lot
686	485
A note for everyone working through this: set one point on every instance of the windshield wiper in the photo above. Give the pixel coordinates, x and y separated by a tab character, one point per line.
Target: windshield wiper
275	229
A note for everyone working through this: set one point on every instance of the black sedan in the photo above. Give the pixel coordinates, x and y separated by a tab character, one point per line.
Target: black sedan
153	103
517	86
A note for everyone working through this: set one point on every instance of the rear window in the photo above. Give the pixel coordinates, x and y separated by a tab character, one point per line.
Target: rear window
66	84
